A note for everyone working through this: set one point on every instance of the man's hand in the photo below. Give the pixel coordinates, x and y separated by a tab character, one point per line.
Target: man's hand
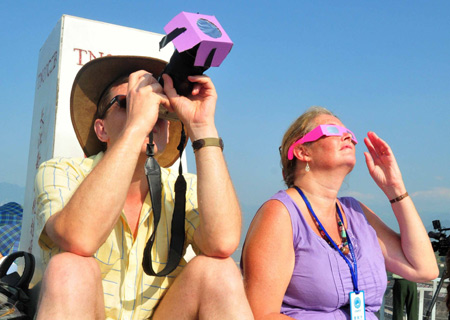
144	96
197	110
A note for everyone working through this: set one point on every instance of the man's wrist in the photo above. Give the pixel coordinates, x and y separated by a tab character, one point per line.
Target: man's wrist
207	142
201	132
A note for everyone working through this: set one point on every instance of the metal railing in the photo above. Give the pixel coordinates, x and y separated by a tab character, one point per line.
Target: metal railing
422	291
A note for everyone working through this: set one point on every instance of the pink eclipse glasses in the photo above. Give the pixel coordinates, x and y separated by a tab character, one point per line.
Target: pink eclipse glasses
317	133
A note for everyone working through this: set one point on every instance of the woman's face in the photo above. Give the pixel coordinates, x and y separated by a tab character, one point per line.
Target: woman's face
331	152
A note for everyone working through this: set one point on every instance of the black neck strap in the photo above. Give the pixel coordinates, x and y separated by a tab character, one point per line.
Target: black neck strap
153	172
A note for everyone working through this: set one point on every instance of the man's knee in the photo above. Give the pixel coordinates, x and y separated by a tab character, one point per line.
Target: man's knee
215	272
71	284
69	270
208	287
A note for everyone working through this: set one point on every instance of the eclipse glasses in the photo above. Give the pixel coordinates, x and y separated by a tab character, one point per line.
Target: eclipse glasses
318	132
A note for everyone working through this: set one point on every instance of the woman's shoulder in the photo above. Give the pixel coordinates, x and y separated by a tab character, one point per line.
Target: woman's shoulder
281	197
274	210
353	209
279	204
281	194
351	203
275	204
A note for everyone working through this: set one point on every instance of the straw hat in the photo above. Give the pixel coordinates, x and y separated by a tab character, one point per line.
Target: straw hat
90	83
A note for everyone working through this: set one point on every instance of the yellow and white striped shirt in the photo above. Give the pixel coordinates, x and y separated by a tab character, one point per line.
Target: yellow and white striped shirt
128	291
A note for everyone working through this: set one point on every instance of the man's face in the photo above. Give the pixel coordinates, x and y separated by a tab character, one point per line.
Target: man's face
116	117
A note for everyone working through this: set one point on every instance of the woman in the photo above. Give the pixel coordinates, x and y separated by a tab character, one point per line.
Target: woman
309	254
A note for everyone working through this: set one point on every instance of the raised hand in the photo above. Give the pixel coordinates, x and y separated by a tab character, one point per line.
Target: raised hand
382	166
144	96
197	110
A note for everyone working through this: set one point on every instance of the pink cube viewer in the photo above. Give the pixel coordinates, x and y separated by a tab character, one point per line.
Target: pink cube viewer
195	25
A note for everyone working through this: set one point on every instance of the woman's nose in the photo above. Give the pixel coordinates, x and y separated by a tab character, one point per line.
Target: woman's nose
346	136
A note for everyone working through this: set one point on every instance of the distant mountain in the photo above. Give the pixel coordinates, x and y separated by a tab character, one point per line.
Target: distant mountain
11	193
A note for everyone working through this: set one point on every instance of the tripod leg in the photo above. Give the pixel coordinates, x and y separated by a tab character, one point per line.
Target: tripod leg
433	300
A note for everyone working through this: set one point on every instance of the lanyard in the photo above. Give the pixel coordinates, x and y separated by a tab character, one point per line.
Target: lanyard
354	269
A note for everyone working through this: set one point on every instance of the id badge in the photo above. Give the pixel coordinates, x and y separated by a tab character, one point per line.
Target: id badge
357	306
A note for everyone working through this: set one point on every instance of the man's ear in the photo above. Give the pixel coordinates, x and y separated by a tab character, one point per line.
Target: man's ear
100	130
302	153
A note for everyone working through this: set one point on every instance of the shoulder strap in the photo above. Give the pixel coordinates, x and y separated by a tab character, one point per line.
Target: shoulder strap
175	252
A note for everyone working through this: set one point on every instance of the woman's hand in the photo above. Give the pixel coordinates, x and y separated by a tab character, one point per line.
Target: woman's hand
383	167
197	110
408	254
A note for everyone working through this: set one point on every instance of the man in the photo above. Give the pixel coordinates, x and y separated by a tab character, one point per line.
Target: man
404	294
96	214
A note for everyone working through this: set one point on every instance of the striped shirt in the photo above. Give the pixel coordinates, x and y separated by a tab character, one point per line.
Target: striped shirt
128	291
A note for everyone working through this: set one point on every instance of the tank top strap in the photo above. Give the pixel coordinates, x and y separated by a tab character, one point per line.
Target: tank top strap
300	227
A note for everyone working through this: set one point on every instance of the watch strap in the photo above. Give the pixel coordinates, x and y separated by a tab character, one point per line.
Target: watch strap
207	142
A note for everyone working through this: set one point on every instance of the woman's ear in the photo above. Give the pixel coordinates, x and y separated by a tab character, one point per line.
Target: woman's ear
302	153
100	130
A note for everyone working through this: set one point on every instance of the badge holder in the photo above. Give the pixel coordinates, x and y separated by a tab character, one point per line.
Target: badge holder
357	305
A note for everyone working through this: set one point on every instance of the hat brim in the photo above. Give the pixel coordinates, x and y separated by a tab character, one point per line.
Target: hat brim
90	83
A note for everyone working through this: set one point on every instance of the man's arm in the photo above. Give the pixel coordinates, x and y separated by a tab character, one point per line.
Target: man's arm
84	224
220	215
88	218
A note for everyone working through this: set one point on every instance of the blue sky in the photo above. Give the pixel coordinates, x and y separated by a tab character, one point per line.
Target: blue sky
379	65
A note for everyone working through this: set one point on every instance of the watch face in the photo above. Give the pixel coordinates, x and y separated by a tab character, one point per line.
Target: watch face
209	28
198	144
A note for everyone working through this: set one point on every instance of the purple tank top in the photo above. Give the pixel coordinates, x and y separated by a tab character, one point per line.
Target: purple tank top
321	280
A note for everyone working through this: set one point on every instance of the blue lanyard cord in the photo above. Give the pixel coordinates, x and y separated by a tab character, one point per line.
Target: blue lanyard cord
354	269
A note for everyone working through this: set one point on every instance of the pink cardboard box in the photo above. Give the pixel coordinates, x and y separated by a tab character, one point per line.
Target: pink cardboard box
194	35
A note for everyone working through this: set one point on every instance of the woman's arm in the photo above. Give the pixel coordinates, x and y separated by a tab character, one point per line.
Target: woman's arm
268	260
408	254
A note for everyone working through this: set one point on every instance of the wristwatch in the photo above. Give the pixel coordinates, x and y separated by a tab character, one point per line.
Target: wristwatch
207	142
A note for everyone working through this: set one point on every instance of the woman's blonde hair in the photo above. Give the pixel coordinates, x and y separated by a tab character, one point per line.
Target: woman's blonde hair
300	127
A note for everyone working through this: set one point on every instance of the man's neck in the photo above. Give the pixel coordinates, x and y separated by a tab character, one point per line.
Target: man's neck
136	195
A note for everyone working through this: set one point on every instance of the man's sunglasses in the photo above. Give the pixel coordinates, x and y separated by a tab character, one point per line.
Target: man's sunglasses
120	99
317	133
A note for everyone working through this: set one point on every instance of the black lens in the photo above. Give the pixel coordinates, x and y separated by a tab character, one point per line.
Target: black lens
122	101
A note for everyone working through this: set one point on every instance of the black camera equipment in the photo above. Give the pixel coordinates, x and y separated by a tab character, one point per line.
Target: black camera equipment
441	245
180	66
200	43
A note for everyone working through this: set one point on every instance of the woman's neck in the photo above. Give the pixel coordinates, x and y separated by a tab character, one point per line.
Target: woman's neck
321	190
